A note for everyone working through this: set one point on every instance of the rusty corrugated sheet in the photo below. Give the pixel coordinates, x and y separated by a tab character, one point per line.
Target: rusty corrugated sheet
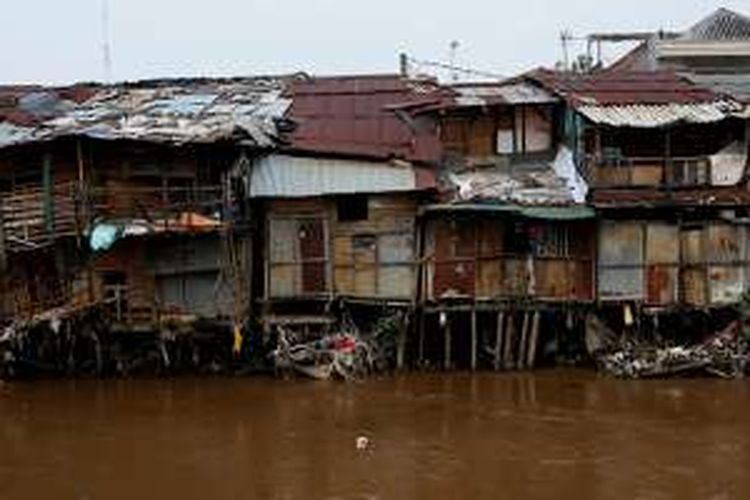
353	116
623	88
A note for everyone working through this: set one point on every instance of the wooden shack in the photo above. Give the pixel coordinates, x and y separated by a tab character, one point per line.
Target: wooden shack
338	229
509	238
669	188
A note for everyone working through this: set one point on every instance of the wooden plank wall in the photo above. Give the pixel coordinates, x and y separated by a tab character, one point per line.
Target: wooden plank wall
365	259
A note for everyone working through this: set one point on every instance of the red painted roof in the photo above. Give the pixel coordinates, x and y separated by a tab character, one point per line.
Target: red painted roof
623	87
354	116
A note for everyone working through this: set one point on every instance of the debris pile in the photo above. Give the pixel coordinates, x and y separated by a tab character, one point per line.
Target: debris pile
723	355
344	356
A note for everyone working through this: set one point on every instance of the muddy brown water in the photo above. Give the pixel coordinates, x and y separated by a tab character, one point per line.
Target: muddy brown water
556	434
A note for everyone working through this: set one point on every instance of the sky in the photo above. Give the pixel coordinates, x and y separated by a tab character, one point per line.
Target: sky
60	41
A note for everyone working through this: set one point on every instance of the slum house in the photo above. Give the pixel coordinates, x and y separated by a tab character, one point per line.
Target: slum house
509	243
34	239
340	203
146	171
666	164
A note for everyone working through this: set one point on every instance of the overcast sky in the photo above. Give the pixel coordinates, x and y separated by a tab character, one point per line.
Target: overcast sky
60	41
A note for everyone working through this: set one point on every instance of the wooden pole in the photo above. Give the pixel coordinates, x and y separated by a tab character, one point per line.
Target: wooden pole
400	354
422	319
448	344
509	339
474	339
522	343
530	361
499	339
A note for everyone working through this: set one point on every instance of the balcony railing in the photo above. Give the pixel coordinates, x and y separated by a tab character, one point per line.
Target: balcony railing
37	216
630	172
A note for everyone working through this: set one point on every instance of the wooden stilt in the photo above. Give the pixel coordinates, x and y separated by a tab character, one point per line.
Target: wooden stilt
510	335
474	339
522	344
421	338
531	359
499	339
97	352
448	362
400	353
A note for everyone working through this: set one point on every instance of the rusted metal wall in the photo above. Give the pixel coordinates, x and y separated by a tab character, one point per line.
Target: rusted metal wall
664	263
488	258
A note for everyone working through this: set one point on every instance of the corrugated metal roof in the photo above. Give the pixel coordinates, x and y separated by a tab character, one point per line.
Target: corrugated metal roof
175	112
285	176
652	116
623	87
354	116
201	113
489	94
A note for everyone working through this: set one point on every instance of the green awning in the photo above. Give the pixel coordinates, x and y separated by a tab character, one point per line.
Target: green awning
577	212
558	213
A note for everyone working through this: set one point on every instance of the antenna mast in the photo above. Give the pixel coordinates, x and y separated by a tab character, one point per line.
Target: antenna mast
106	46
453	56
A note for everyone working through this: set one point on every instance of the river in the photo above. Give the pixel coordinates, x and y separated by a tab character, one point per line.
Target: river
556	434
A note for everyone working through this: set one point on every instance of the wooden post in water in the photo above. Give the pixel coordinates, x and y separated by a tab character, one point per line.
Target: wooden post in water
531	359
499	339
403	328
474	338
510	334
448	363
522	343
422	319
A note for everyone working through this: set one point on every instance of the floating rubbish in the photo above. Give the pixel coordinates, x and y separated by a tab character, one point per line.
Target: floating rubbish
362	443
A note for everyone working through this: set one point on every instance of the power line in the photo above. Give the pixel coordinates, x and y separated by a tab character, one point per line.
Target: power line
454	68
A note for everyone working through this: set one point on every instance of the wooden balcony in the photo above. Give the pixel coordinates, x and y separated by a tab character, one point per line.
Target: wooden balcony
648	172
34	217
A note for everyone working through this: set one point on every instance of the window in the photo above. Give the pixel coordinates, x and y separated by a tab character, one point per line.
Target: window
352	208
527	130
